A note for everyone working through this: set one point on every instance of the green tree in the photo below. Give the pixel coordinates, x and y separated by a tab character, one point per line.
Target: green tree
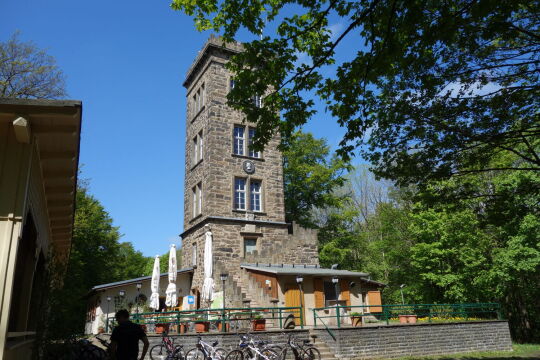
311	174
431	88
96	257
28	72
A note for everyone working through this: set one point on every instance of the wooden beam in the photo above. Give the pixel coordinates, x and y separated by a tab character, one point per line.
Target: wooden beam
21	126
57	155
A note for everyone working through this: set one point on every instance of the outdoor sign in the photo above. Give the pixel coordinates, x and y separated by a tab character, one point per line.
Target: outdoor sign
191	299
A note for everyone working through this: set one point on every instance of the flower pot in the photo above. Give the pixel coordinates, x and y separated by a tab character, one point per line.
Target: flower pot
356	321
411	319
161	327
220	326
182	328
202	326
403	319
259	324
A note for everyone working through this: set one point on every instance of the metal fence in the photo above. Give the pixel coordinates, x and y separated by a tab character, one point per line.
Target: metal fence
229	319
411	313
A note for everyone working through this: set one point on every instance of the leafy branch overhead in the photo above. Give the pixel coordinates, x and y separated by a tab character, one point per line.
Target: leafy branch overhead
432	89
28	72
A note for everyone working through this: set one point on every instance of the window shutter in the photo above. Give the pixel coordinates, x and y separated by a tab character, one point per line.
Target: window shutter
345	292
319	292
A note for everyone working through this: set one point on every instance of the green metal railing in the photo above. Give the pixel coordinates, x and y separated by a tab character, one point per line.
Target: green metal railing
358	315
228	319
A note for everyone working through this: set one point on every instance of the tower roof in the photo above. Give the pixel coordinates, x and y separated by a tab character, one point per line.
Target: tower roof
213	44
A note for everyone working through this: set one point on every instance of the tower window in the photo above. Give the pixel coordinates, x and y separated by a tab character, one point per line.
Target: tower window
197	151
250	246
197	199
257	101
252	153
255	194
240	194
239	140
199	100
231	84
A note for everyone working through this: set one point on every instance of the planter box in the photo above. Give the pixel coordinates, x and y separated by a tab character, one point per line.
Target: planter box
259	324
356	321
202	326
160	328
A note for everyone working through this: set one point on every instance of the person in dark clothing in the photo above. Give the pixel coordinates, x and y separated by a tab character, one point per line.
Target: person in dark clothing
125	339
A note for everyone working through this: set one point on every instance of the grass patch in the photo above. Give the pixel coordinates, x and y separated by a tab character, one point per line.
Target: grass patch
521	351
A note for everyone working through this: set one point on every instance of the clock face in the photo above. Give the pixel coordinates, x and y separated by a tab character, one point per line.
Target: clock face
249	167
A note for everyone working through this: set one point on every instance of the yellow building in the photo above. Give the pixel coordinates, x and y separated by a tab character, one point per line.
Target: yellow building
39	152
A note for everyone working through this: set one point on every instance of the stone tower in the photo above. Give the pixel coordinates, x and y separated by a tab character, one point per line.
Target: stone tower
229	189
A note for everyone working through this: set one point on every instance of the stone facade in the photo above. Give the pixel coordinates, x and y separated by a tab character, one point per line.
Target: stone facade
209	118
417	340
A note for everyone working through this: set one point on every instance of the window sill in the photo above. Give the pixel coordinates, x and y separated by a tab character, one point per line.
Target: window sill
197	164
195	218
199	113
258	213
247	157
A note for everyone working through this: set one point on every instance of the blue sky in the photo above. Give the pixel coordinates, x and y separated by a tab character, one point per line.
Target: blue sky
126	61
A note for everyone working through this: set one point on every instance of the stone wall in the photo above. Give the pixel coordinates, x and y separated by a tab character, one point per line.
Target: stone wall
417	340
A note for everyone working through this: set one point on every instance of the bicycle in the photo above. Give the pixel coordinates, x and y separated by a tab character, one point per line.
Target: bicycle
205	351
167	350
250	349
304	351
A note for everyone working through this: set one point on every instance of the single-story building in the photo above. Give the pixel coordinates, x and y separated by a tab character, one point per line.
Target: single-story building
134	295
313	287
39	154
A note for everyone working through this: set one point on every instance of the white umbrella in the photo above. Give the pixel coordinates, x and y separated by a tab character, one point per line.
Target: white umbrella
171	299
154	285
208	285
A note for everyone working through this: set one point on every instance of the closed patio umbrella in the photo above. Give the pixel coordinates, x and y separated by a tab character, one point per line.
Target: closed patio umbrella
154	285
208	285
171	299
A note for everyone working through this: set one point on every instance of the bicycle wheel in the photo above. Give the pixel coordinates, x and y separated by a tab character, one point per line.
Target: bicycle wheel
311	353
158	352
219	354
235	355
195	354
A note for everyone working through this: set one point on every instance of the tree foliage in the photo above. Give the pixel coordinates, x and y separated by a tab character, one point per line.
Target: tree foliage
482	244
28	72
432	89
97	257
311	174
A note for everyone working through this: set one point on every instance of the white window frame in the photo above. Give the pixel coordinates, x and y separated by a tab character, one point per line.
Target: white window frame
252	195
237	205
197	151
239	139
257	101
252	153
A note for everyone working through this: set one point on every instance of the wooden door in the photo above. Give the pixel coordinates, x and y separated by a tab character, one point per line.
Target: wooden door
293	299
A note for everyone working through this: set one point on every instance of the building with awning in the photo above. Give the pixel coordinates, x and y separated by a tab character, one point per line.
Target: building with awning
39	155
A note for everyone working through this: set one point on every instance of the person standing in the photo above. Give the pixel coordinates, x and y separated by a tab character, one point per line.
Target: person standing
125	339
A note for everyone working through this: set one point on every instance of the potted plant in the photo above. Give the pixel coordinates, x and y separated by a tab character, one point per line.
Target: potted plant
201	323
408	319
258	322
161	327
356	319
